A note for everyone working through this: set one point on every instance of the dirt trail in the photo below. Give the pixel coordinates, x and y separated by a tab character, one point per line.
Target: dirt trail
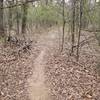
37	88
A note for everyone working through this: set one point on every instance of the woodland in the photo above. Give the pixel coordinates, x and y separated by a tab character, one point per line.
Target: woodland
49	49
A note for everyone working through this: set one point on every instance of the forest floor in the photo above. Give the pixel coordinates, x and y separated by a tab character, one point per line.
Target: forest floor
43	73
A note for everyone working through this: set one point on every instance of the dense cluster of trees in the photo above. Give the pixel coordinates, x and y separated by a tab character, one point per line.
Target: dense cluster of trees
77	15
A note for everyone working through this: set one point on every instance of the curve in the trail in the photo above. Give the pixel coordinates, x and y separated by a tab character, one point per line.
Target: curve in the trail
37	88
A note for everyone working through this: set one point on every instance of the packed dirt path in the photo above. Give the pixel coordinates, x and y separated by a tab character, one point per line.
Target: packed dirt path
37	89
36	83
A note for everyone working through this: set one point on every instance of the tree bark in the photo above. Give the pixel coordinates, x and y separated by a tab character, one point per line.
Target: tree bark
63	35
10	18
73	25
17	17
24	18
1	19
80	25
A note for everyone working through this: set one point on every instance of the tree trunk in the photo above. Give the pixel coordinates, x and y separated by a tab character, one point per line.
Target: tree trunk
1	18
17	17
80	25
46	2
10	18
24	19
63	35
73	26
